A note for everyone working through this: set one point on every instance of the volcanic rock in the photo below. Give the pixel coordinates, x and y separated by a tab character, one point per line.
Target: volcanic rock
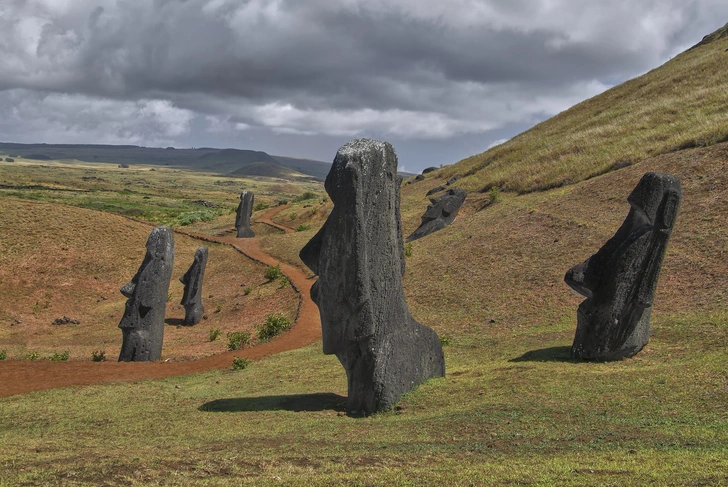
440	213
619	280
142	325
242	218
359	257
192	280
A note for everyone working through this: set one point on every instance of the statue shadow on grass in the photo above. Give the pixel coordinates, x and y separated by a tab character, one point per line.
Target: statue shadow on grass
174	322
320	401
551	354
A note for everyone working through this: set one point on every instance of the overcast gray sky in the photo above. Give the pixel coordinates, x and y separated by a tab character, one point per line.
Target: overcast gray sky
440	80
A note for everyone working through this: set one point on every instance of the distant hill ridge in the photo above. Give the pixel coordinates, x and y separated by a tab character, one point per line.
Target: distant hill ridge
224	161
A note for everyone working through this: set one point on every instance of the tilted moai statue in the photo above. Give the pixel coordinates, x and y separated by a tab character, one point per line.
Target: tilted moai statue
440	213
143	322
242	218
192	296
359	257
619	281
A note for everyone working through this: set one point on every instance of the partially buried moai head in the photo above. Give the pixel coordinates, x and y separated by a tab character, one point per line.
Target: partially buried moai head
619	281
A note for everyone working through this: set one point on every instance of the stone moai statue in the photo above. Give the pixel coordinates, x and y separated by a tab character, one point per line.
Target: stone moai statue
359	257
619	281
192	296
440	213
242	218
143	322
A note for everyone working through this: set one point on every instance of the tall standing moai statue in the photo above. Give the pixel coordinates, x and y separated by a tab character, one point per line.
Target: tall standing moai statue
359	257
142	325
242	218
192	280
619	281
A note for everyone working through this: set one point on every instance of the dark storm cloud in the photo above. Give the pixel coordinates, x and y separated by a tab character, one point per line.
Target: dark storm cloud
407	69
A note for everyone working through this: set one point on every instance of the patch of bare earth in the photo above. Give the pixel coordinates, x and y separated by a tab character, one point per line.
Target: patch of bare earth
58	261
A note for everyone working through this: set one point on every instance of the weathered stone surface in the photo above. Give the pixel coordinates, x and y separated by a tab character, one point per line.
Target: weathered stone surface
440	213
242	218
619	281
416	179
429	169
359	257
192	279
142	325
453	179
437	189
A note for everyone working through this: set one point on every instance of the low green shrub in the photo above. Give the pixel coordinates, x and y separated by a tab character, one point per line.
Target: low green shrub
214	333
445	340
191	217
273	272
282	202
59	357
408	249
248	290
240	363
308	195
30	356
98	356
274	325
3	354
237	340
303	227
495	194
260	206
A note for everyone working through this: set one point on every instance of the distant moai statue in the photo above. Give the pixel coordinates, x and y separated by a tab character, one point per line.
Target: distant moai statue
242	218
359	257
192	280
619	281
142	325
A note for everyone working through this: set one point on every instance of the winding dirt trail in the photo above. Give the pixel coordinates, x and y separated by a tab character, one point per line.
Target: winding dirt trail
21	376
268	215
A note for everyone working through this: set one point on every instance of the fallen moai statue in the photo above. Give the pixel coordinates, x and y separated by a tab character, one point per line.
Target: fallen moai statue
440	213
619	281
192	280
359	257
142	325
242	217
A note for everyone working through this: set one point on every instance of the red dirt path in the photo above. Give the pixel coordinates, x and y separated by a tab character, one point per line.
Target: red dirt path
21	376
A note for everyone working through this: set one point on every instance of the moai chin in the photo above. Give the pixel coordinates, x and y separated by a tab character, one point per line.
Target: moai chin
619	281
142	325
359	257
242	217
192	280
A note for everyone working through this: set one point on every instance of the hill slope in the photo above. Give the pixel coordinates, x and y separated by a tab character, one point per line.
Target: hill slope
203	159
679	105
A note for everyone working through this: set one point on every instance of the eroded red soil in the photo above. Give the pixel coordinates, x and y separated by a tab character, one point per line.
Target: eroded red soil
21	376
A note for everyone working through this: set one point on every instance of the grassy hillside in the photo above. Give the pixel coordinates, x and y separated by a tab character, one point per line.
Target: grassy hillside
679	105
514	409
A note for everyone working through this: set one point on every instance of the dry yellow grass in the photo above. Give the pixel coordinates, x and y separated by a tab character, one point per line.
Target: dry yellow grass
678	105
